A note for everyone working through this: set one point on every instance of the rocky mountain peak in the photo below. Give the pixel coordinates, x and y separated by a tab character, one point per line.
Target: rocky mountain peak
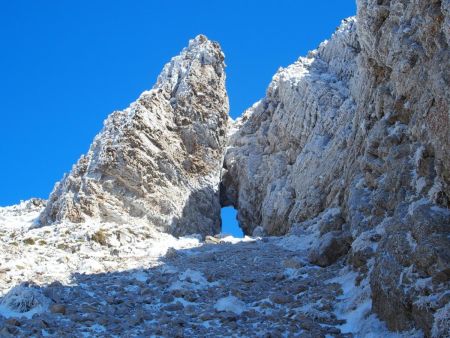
157	162
200	52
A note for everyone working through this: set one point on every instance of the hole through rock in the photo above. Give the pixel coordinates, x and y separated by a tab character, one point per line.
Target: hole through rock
230	225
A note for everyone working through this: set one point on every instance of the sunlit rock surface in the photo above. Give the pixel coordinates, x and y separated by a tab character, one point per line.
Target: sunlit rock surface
157	162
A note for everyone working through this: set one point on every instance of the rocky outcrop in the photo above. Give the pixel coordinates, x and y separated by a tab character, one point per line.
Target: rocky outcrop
362	125
285	161
157	162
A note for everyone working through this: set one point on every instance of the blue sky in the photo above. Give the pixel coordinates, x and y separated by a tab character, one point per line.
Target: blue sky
66	65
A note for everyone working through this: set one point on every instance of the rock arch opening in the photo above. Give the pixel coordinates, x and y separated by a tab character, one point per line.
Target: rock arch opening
230	224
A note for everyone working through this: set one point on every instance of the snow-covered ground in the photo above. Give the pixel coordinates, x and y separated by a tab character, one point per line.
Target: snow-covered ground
46	254
112	280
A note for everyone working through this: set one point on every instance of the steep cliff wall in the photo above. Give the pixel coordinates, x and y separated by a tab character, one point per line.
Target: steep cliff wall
354	139
157	162
285	161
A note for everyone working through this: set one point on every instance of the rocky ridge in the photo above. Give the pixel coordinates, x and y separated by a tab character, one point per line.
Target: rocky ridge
157	162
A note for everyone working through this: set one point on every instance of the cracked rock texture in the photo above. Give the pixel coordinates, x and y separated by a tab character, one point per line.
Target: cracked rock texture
361	125
157	162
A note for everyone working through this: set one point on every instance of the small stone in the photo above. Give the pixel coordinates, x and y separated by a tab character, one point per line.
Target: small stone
173	307
279	276
205	316
167	298
190	310
210	277
7	331
145	291
265	305
191	296
12	322
212	240
297	288
171	253
248	279
179	293
86	309
280	298
293	263
228	316
442	276
162	280
308	324
58	308
375	238
333	330
43	323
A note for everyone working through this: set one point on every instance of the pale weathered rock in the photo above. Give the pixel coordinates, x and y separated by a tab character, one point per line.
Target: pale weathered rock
285	159
157	162
361	125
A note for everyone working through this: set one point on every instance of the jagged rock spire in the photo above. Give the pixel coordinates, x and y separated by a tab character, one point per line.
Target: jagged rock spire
157	162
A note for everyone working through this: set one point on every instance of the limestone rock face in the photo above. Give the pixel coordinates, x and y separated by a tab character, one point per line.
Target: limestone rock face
157	162
286	158
361	124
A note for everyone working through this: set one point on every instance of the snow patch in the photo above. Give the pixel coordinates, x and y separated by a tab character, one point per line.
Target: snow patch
441	321
190	280
23	301
235	240
193	276
298	243
140	276
230	304
355	305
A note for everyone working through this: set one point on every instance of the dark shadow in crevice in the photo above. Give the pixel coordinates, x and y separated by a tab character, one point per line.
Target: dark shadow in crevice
201	214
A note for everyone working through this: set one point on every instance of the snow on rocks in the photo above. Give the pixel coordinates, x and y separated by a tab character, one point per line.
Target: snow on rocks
46	254
190	280
240	287
23	300
230	304
354	305
15	217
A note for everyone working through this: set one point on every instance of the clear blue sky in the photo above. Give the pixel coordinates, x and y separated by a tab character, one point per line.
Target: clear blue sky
65	65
